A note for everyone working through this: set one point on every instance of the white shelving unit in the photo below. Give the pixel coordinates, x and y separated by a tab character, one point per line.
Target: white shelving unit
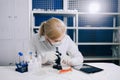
75	14
114	43
75	27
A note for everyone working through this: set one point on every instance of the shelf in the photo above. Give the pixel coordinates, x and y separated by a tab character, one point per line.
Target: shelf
90	28
97	43
99	28
36	27
71	12
100	58
102	13
66	13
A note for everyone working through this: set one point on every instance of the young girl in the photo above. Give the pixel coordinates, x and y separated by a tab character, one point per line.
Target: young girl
52	37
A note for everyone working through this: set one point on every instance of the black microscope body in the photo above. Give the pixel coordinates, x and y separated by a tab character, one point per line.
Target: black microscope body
57	64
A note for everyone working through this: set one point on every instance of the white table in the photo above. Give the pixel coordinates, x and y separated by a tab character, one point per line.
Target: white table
110	72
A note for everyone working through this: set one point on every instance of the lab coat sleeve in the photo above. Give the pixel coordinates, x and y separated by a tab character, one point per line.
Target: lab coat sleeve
74	53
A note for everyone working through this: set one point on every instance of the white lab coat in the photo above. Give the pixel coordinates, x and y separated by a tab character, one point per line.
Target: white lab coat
41	46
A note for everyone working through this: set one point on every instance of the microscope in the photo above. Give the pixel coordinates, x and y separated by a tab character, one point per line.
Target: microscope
57	64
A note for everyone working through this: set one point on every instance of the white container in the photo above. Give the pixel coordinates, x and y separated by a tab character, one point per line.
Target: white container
34	64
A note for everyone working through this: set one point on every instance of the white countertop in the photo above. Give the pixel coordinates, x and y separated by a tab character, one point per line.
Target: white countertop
110	72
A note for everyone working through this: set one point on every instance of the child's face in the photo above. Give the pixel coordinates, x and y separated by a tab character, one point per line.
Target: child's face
55	41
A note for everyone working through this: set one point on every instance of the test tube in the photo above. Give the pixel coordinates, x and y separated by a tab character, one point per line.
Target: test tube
20	56
30	53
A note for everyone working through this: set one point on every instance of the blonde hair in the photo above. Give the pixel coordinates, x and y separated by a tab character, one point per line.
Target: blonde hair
52	28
